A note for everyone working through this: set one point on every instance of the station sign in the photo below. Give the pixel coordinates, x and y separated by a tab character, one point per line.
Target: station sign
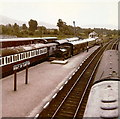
21	65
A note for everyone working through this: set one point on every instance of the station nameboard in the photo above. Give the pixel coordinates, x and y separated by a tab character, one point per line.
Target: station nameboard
21	65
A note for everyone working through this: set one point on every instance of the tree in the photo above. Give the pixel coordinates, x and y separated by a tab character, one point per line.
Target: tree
8	29
16	27
24	27
62	25
32	25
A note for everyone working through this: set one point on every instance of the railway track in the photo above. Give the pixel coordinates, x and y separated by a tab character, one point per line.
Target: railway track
115	45
71	99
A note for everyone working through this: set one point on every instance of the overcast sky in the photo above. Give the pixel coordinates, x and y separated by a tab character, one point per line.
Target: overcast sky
85	13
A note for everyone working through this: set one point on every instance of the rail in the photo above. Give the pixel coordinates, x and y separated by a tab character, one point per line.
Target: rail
70	100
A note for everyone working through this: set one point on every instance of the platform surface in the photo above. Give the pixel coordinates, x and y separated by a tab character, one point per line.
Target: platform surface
44	79
108	64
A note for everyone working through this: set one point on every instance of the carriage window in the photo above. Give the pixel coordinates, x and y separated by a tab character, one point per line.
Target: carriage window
28	54
19	57
9	59
3	60
23	55
32	53
45	50
41	51
37	52
15	57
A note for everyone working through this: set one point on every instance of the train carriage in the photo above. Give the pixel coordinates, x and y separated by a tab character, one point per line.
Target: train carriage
91	42
72	39
4	43
49	39
81	45
73	46
40	49
15	55
103	101
51	48
78	46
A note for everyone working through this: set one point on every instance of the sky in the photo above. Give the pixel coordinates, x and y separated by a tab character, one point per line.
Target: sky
85	13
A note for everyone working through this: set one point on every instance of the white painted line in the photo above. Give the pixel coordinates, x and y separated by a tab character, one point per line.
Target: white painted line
36	116
78	67
70	78
76	70
73	73
61	88
66	82
46	105
54	95
80	64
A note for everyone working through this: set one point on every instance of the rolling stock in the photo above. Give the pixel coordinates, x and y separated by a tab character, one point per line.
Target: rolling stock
69	48
103	101
25	41
36	51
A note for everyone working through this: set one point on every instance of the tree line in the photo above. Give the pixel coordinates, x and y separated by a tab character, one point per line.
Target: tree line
63	30
23	31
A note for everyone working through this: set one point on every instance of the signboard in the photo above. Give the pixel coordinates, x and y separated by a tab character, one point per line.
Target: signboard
21	65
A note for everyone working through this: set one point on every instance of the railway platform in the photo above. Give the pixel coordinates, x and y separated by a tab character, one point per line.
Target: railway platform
110	57
44	80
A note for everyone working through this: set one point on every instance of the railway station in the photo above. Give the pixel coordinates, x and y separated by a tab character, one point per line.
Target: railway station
60	78
59	59
44	81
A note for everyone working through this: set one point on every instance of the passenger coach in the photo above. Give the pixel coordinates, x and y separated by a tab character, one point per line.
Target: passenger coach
34	53
25	41
72	47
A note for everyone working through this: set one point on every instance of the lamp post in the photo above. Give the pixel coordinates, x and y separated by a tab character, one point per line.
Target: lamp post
41	31
74	27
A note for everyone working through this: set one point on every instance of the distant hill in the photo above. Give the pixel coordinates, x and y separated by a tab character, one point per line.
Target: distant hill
4	20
